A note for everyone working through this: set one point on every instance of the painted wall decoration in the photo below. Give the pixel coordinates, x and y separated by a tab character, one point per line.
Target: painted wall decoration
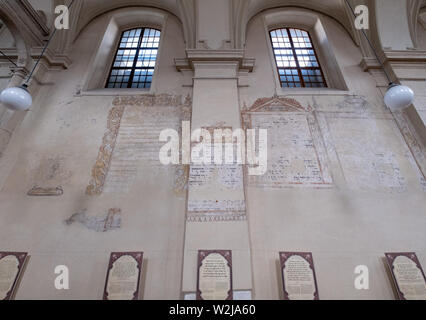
101	167
111	220
216	191
408	275
214	280
298	276
132	139
11	267
123	276
296	154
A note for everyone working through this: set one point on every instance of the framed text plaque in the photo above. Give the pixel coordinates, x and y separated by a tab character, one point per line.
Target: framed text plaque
298	275
123	276
408	275
214	275
11	267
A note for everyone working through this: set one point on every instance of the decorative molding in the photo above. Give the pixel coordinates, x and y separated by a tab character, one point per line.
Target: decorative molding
276	104
408	56
422	17
226	217
413	10
239	22
52	60
150	100
27	22
401	62
368	63
222	55
35	16
187	15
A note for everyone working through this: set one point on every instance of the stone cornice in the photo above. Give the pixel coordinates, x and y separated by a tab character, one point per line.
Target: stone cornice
405	56
396	58
51	60
207	55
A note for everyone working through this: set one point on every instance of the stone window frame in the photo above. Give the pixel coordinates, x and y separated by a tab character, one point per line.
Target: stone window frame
312	22
298	68
118	22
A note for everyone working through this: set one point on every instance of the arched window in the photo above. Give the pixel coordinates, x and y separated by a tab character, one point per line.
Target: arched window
135	59
296	59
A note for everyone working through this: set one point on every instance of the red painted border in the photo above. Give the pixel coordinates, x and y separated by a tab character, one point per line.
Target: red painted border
284	256
391	256
138	256
22	257
202	254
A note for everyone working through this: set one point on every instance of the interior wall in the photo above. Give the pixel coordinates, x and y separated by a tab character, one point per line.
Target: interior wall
365	211
370	200
58	145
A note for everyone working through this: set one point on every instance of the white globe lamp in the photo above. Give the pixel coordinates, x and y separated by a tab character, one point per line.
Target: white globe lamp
399	97
16	98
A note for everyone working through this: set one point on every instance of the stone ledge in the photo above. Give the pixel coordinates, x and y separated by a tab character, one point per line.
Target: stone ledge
206	55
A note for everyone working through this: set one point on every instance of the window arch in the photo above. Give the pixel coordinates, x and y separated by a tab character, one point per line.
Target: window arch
135	59
296	59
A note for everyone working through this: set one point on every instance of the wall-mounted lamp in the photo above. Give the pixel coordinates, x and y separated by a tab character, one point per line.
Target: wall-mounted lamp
397	97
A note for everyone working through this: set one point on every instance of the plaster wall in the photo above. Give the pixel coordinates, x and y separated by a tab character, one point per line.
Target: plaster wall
372	202
351	223
58	145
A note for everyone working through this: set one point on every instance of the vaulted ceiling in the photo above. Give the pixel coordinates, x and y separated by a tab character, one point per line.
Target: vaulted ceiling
90	9
85	11
332	7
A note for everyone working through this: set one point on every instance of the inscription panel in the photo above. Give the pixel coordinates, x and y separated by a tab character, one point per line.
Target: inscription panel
370	152
408	275
131	141
123	276
214	275
298	275
138	144
295	157
11	266
216	192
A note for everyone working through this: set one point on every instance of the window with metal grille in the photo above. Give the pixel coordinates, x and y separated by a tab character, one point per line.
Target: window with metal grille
135	59
296	59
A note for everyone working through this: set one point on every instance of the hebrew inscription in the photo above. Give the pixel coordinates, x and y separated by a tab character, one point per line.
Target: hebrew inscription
123	276
408	275
299	279
370	151
214	275
296	156
216	192
132	140
11	265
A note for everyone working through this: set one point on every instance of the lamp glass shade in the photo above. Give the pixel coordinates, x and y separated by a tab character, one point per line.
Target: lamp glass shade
399	97
16	98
